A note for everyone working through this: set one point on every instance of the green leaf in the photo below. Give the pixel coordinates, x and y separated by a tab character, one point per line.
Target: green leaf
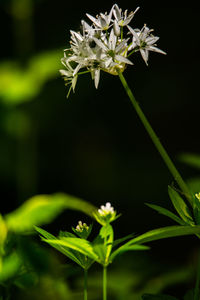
180	206
158	297
163	233
126	248
167	213
43	209
3	236
66	234
10	267
99	248
80	245
107	235
48	238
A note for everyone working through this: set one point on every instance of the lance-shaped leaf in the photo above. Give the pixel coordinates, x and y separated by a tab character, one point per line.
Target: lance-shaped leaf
86	262
180	206
43	209
167	213
48	238
162	233
80	245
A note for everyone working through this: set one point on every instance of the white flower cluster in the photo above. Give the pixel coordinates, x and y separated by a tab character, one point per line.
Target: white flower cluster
106	45
82	226
106	210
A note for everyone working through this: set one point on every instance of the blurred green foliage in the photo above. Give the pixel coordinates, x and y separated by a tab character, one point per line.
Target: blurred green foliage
42	209
21	84
21	259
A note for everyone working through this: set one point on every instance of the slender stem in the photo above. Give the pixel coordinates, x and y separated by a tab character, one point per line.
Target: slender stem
156	140
104	283
85	292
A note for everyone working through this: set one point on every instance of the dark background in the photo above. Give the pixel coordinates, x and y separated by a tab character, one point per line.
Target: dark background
93	145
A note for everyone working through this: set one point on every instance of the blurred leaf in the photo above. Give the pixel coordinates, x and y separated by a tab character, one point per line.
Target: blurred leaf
42	209
190	159
158	297
180	206
49	288
10	267
21	85
127	248
167	213
3	233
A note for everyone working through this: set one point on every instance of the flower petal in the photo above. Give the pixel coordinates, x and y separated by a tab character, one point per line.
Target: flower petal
96	77
123	59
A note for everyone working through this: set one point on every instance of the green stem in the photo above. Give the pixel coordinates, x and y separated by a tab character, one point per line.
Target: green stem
85	292
104	283
156	140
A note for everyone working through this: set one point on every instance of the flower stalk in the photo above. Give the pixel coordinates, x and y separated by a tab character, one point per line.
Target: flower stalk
183	186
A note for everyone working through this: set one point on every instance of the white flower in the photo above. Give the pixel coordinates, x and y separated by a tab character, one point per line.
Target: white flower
114	52
81	227
68	73
144	41
122	18
105	214
106	210
102	22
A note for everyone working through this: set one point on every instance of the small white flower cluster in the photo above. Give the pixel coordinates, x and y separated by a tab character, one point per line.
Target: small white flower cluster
106	210
106	45
81	227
